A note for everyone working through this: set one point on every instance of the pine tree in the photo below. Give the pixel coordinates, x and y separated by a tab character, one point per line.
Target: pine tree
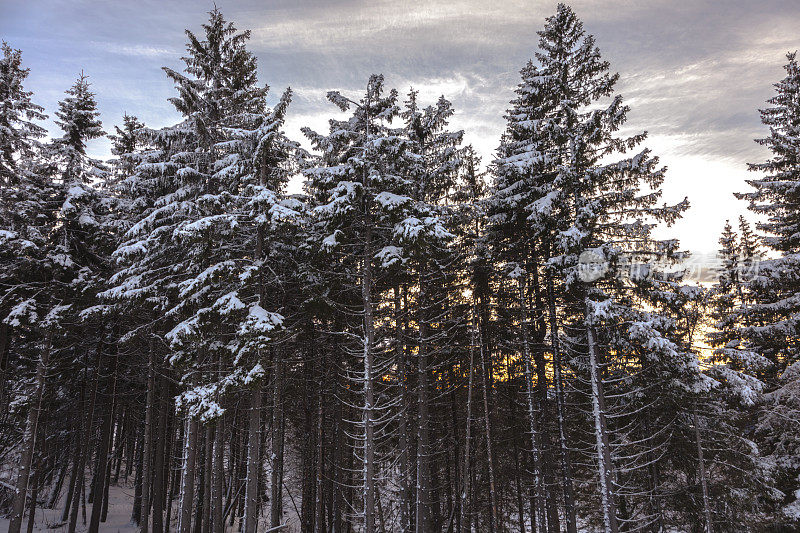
73	248
433	161
724	296
360	191
769	321
19	134
26	210
592	222
213	185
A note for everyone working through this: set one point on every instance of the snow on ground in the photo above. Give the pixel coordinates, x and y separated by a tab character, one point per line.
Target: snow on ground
120	501
119	515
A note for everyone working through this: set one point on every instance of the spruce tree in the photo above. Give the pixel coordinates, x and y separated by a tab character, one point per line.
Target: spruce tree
27	217
359	191
431	164
27	214
769	322
591	221
199	256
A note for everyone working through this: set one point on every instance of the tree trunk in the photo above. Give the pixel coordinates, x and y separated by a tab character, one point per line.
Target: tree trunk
80	485
538	516
702	466
100	474
545	443
4	351
253	462
207	478
369	394
187	481
148	442
319	503
136	513
200	488
423	427
29	439
172	472
566	466
35	482
488	430
402	364
601	436
276	477
162	449
55	490
217	485
512	405
465	517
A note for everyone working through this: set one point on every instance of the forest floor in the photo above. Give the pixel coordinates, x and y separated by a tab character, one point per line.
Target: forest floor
118	520
120	499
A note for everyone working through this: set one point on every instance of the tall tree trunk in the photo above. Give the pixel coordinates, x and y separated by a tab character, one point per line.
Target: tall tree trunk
4	351
187	481
217	483
545	442
566	466
601	435
80	486
100	473
512	404
488	430
466	518
172	479
55	490
402	365
702	469
369	393
423	418
29	439
253	462
35	482
200	496
120	440
319	503
207	479
276	476
147	451
136	513
538	516
110	439
159	466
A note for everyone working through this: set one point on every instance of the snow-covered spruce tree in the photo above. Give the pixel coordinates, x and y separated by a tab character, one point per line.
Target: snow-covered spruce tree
82	234
518	240
592	219
480	463
126	144
85	239
78	244
739	256
770	325
711	468
725	292
363	216
431	162
19	135
27	218
199	254
26	210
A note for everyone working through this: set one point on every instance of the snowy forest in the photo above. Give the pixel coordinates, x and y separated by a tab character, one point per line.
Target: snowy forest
418	341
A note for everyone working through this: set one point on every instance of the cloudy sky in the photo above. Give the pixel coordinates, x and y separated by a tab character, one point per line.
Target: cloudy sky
694	71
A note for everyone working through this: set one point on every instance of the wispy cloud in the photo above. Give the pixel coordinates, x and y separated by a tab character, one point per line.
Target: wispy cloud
137	50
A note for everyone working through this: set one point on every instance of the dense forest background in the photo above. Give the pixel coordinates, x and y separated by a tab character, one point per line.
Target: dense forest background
416	342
